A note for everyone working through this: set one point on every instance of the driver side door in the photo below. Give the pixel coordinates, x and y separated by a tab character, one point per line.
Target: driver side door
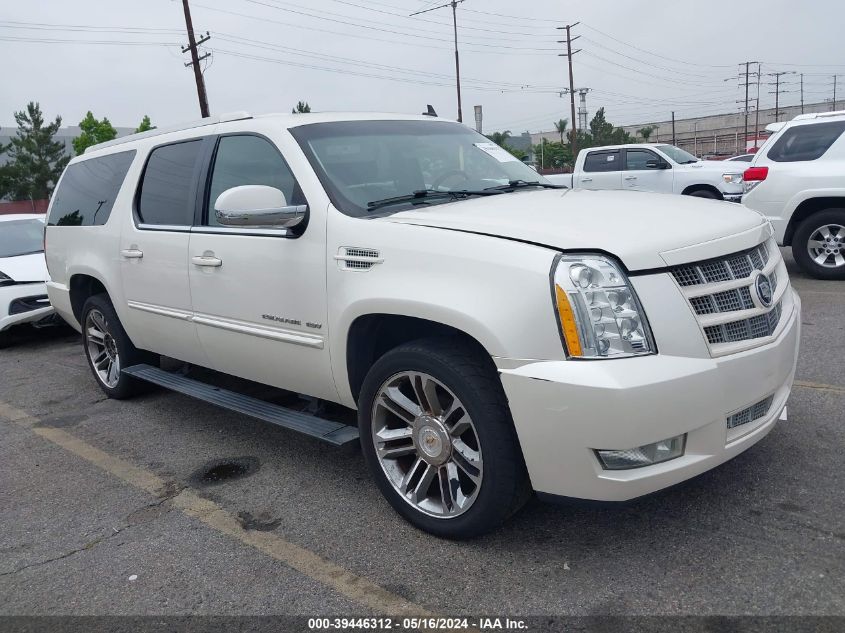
259	294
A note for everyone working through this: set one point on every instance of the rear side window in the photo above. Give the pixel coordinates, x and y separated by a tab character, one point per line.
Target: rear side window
603	161
168	189
806	142
87	190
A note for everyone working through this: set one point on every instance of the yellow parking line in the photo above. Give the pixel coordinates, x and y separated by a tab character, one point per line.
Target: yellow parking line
341	580
819	386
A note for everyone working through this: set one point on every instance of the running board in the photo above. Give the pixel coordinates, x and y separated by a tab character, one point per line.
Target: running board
326	430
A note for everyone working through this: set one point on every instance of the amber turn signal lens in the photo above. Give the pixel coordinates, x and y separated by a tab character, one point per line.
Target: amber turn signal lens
567	323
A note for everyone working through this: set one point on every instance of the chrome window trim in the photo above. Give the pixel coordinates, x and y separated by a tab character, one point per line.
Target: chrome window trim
235	230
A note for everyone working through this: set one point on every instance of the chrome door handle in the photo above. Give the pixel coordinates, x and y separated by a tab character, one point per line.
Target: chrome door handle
131	253
630	177
206	260
586	180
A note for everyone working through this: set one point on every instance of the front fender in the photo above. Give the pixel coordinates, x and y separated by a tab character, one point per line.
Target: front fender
494	290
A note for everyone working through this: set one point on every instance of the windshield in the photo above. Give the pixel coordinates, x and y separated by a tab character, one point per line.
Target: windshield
21	237
677	154
363	163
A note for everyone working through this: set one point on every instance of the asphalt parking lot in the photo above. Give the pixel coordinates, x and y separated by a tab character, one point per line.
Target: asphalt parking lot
105	511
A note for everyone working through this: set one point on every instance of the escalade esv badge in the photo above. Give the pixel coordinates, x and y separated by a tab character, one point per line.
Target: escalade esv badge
763	286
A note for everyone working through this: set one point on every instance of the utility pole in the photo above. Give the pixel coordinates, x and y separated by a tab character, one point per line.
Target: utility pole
776	91
454	4
196	58
568	54
802	93
757	115
747	84
673	128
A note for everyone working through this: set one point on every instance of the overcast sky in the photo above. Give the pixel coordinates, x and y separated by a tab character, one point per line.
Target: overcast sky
642	59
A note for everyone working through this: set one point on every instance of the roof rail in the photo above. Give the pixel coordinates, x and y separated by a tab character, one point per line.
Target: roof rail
212	120
818	115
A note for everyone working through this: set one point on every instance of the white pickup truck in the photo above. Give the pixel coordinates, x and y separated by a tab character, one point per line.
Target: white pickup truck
495	334
654	167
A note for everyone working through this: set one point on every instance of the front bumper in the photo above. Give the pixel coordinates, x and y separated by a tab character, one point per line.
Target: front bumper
10	294
565	410
732	197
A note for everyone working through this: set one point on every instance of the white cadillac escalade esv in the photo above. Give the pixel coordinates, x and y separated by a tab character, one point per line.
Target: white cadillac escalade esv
496	334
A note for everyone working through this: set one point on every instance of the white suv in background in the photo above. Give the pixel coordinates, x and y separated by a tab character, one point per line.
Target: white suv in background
797	180
495	333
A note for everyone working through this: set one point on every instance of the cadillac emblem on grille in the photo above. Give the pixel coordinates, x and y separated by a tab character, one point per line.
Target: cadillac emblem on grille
763	286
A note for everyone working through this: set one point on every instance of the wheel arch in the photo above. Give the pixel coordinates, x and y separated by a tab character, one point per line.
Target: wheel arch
807	208
371	335
81	286
691	189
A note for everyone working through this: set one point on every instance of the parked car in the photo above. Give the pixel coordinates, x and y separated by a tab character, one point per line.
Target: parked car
797	180
23	293
743	158
653	167
496	334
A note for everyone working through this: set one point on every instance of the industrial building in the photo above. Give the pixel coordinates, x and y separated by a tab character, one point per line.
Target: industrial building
718	135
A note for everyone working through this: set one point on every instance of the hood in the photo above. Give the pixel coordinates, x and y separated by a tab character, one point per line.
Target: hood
25	268
636	227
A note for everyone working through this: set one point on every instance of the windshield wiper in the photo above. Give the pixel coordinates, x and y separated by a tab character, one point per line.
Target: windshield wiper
519	184
420	195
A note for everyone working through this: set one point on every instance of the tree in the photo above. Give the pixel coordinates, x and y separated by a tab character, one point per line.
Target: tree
553	154
560	126
646	131
602	132
145	126
93	132
302	107
36	161
500	138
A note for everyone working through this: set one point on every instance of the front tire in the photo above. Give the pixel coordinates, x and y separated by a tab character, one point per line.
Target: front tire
819	244
438	437
108	349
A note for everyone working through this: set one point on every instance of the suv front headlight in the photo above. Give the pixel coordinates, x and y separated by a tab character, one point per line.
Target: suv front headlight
597	309
732	179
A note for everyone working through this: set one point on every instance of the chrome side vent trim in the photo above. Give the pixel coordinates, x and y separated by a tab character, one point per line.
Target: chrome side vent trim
357	259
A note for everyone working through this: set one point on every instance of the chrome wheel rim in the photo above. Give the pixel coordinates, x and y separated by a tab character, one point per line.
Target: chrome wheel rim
102	349
827	246
427	444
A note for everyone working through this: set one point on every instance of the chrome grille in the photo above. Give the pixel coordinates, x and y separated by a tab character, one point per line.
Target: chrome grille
749	414
745	329
725	301
722	294
736	266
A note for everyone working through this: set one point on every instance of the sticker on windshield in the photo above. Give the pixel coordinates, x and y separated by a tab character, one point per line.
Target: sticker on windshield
501	155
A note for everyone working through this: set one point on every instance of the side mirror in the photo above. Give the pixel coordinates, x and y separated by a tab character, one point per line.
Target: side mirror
257	205
655	163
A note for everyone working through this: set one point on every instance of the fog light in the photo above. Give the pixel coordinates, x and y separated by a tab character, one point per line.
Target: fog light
661	451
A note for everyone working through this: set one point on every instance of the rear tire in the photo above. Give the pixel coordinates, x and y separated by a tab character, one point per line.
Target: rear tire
819	244
704	193
458	470
109	350
5	340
